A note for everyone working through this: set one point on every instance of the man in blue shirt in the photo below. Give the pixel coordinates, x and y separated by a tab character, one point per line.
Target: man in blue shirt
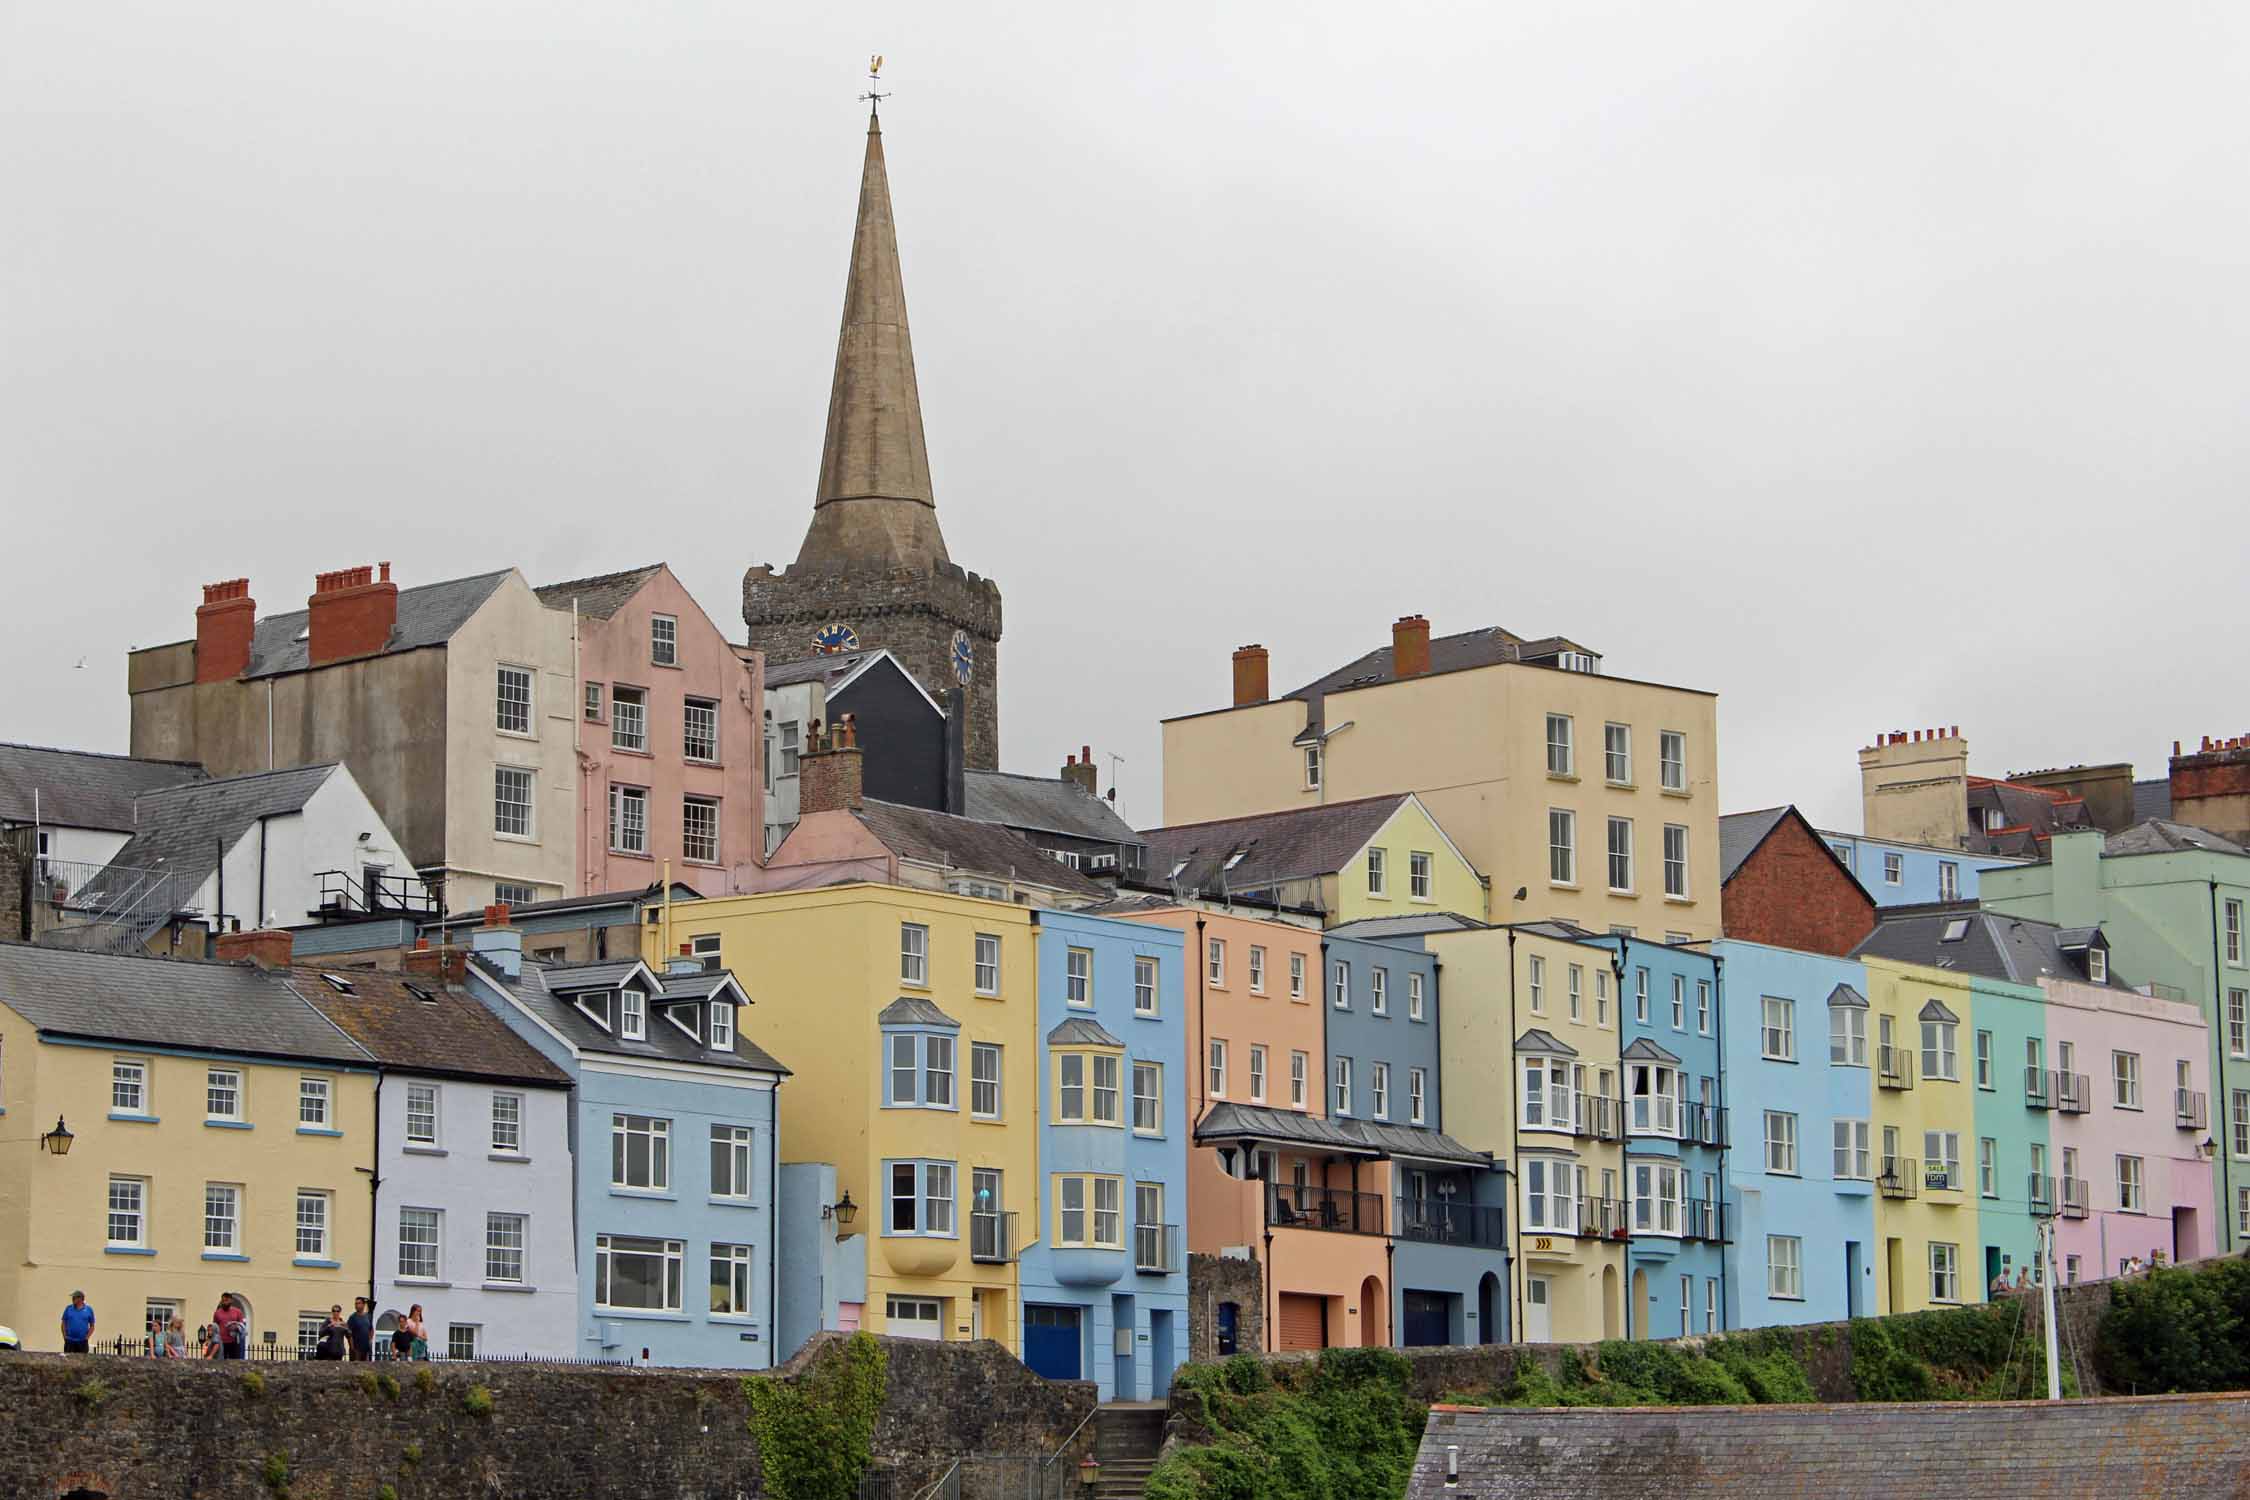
77	1324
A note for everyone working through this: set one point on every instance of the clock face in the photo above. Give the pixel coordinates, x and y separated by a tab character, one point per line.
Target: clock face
964	656
836	636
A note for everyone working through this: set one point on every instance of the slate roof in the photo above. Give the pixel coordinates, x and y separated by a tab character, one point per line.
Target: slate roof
972	847
81	788
664	1042
1483	647
1082	1031
1536	1040
1741	833
563	906
2152	799
592	974
2163	836
2030	816
1412	925
184	829
448	1033
1997	946
428	615
163	1002
1644	1050
1845	995
1299	844
1354	1137
814	668
912	1010
600	596
1046	804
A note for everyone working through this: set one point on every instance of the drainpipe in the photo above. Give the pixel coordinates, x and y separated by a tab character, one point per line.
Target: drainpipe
1515	1135
220	846
2219	1094
1719	984
375	1204
773	1227
262	817
1625	1298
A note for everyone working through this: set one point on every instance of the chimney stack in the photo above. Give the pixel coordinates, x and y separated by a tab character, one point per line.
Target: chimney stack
500	944
1079	769
1250	685
350	613
447	965
224	624
268	947
1410	646
828	777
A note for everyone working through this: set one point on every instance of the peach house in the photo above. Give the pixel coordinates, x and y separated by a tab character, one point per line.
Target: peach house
667	734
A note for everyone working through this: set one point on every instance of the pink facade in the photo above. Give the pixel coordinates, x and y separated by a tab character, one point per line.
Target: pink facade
2115	1149
663	798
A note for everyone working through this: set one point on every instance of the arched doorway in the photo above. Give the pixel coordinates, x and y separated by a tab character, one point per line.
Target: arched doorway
1373	1322
1610	1310
1637	1314
1488	1309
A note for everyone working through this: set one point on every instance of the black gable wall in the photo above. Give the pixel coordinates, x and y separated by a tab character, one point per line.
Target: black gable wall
901	737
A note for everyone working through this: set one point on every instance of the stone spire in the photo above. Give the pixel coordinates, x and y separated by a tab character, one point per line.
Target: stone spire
873	508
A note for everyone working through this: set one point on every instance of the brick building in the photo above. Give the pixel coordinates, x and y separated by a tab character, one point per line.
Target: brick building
1781	884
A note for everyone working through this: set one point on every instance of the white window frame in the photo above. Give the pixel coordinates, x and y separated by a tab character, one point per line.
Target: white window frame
1847	1035
128	1087
1851	1158
1296	976
222	1095
1417	1092
1151	1097
1941	1054
699	845
1562	846
671	1258
1945	1272
1785	1259
733	1284
412	1248
628	718
222	1218
1378	990
1676	861
987	1060
507	1245
663	640
1671	758
1777	1036
1617	754
1781	1143
734	1162
509	809
986	957
1535	983
1379	1090
1300	1078
1620	856
525	699
1420	875
700	742
2132	1184
422	1101
128	1208
632	1014
1340	984
1342	1082
2125	1079
1257	1073
1312	767
1562	754
315	1212
1215	963
1257	970
628	818
656	1130
1414	1001
1217	1062
914	955
507	1122
1078	978
1378	874
315	1102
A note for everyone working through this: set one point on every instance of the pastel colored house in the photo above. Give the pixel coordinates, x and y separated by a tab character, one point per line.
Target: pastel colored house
1801	1236
901	730
1104	1265
220	1127
677	1150
1374	856
1924	1123
2171	902
1898	873
1594	794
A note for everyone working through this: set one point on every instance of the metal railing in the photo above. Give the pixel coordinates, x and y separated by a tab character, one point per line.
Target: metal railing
101	908
2070	1092
2076	1201
2035	1094
1599	1119
280	1350
1704	1123
992	1236
1603	1218
374	892
1704	1219
1333	1209
2041	1190
1894	1067
1444	1221
1156	1248
2190	1109
1900	1177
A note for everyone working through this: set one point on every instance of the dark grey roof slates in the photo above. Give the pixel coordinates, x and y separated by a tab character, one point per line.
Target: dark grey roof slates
827	667
1414	924
1992	944
600	596
81	788
1047	804
185	828
1277	848
2164	836
1845	995
428	615
1536	1040
449	1033
664	1042
1082	1031
162	1002
1644	1050
1350	1136
1936	1010
913	1010
2152	799
1741	833
974	848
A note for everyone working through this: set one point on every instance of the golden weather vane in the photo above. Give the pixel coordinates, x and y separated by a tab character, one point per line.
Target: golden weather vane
873	98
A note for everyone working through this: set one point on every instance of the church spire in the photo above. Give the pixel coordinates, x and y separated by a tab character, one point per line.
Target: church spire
873	504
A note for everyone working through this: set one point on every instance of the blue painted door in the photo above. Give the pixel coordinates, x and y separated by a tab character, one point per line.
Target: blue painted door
1427	1317
1051	1342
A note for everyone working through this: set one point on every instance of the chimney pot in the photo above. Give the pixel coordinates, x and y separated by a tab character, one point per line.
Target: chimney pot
350	614
225	624
829	775
1080	773
496	914
1410	646
1250	682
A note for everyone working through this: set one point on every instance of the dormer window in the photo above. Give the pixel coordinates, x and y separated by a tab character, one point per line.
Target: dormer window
594	1005
632	1016
1578	661
2097	965
722	1027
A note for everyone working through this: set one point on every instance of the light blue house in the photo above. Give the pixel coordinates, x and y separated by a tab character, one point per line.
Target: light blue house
1902	874
672	1128
1802	1228
1104	1276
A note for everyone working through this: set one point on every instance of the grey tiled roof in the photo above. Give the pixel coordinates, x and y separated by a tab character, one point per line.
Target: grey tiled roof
666	1042
1082	1031
591	974
973	847
1997	946
184	828
1254	1122
1300	844
913	1010
428	615
1047	804
2030	815
700	985
2152	799
1845	995
815	668
1741	833
1413	925
1536	1040
162	1002
602	595
2163	836
1644	1050
408	1021
1448	653
80	788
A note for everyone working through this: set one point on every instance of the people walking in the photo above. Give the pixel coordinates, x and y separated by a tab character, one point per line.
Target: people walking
359	1328
231	1328
77	1324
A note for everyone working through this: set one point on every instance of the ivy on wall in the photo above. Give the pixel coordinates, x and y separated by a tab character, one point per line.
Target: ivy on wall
815	1434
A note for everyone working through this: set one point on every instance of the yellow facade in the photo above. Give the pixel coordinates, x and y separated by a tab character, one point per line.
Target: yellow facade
56	1211
820	966
1410	866
1492	998
1914	1207
1472	744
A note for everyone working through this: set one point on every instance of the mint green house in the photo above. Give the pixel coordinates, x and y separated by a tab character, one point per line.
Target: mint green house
2009	1024
2171	900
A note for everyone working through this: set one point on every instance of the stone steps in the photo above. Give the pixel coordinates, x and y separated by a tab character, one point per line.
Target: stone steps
1127	1439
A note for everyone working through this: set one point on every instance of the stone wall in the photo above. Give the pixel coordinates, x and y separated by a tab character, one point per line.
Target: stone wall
15	880
101	1428
1213	1279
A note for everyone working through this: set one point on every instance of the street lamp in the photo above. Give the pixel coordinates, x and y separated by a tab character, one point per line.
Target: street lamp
58	1140
843	1211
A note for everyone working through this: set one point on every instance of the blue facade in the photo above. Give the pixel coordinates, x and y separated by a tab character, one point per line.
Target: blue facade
1380	1036
1897	874
1675	1138
1802	1232
1105	1298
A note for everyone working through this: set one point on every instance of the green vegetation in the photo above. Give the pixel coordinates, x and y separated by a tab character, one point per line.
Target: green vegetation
425	1381
388	1385
1992	1352
815	1433
92	1392
410	1455
2177	1330
478	1402
253	1384
1342	1428
386	1491
275	1474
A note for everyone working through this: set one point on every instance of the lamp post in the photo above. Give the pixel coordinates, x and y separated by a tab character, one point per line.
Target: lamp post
57	1141
843	1211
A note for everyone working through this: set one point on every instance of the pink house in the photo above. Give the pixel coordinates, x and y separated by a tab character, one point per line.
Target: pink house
668	737
2131	1176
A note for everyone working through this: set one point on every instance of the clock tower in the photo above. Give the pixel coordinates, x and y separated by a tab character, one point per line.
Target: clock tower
873	570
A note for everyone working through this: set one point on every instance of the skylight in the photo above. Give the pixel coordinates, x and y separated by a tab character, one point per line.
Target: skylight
1956	929
339	983
1237	857
1176	870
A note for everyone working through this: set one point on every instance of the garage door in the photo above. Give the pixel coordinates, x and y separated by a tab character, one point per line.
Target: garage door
1304	1321
1427	1317
914	1318
1050	1341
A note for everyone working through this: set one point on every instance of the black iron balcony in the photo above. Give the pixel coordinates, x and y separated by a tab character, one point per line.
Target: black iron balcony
1901	1177
1599	1119
1332	1209
1446	1221
2041	1191
2070	1092
1156	1248
1704	1123
374	892
2076	1202
1603	1218
2035	1092
1894	1067
992	1236
2190	1110
1704	1219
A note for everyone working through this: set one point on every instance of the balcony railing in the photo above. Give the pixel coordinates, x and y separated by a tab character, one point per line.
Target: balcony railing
1333	1209
992	1236
2190	1110
2041	1190
1706	1123
1901	1177
1894	1067
376	893
2076	1202
1705	1219
1943	1177
2035	1091
1654	1114
1156	1248
1599	1119
1443	1221
2070	1092
1603	1218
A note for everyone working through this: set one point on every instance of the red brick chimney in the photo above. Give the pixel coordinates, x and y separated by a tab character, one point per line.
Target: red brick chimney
1410	646
2211	786
224	622
446	965
1080	769
828	777
351	613
1250	685
268	947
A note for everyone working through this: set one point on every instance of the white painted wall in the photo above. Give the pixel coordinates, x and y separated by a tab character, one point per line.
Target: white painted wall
801	703
325	836
92	846
513	627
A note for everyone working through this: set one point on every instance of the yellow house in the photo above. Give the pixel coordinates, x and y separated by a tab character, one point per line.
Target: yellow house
1596	796
1530	1073
215	1125
908	1017
1380	856
1925	1137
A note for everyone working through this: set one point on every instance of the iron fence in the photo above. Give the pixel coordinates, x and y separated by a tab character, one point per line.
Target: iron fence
1291	1207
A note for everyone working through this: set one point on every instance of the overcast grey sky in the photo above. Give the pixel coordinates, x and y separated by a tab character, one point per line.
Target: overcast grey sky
1872	365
